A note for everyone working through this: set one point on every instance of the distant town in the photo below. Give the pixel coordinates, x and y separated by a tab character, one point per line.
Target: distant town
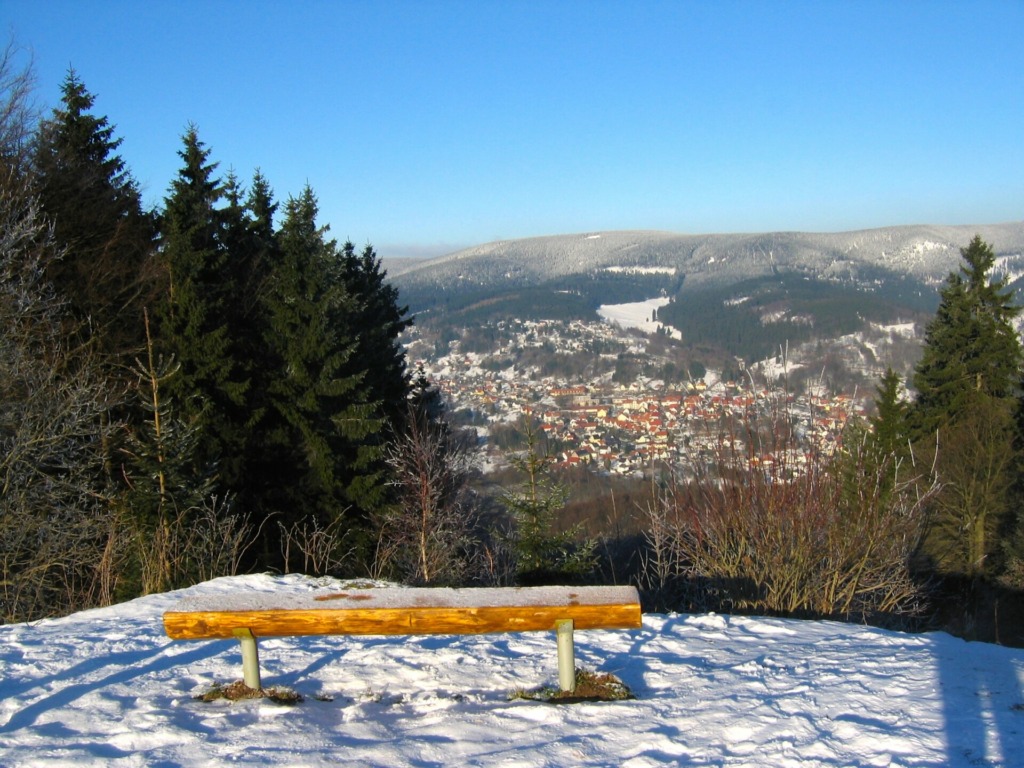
628	428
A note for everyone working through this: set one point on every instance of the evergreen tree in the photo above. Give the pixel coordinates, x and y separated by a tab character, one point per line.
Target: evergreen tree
966	381
381	320
975	464
96	210
971	348
543	555
426	399
195	316
250	244
889	425
164	487
376	320
321	425
876	450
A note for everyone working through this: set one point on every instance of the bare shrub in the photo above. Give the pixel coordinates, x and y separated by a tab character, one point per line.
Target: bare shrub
186	547
321	548
429	534
195	544
18	113
54	428
789	531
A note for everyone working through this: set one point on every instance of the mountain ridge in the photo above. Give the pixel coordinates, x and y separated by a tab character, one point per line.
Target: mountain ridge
727	296
717	257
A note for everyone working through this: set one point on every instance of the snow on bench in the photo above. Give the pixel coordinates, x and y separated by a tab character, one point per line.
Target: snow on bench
405	611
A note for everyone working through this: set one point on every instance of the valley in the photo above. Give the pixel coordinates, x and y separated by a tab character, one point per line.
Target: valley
621	402
630	350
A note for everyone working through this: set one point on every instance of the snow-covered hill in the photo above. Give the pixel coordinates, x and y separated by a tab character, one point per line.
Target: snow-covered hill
724	297
925	253
107	687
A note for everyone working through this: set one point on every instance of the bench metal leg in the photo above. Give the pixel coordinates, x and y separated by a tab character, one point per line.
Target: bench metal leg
250	658
566	656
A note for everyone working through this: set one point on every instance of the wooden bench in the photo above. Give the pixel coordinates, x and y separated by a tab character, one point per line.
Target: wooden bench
400	611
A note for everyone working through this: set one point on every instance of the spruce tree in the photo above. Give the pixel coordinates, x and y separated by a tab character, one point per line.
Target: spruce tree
971	348
96	211
875	453
889	426
376	320
543	554
381	319
195	315
164	488
255	254
248	242
963	415
321	425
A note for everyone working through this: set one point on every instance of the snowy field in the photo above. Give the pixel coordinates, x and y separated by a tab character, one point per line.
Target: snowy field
108	688
636	314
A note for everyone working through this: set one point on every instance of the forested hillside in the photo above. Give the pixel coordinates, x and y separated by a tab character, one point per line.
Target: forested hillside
730	296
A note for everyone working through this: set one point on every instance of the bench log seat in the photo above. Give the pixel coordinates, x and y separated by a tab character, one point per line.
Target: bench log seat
405	611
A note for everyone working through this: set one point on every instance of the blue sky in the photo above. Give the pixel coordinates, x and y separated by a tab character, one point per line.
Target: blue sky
428	126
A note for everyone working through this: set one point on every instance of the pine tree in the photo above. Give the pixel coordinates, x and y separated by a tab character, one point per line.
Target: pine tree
889	426
876	451
253	250
194	321
543	556
971	348
381	319
249	244
96	210
963	415
376	320
321	424
426	399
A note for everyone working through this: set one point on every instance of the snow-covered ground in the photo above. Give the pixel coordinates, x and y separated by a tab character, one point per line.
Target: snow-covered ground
635	314
107	687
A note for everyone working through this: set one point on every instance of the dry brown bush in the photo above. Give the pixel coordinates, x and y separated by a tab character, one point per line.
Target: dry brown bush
429	536
808	535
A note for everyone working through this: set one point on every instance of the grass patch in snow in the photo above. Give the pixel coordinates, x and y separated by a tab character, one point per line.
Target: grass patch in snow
590	686
238	690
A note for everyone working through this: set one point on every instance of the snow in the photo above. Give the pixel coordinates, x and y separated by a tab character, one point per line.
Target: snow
1009	267
641	270
635	314
107	687
905	330
403	597
779	367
